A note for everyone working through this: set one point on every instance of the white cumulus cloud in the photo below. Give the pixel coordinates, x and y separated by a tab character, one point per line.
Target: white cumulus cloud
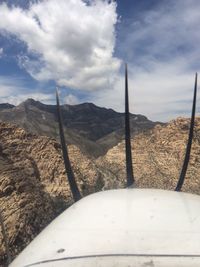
162	94
162	48
13	90
20	97
72	41
71	100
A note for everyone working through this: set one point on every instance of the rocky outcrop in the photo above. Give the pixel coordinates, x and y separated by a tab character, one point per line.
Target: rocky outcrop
33	184
158	157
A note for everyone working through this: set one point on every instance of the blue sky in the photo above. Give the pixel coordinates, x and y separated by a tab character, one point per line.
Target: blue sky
81	46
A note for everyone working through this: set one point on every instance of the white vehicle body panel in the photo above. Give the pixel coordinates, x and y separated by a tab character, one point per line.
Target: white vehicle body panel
126	227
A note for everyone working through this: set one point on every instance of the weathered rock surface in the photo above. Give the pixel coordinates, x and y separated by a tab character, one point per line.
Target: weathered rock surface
33	184
158	157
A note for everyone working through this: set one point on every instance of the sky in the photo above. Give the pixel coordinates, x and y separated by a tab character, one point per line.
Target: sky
81	46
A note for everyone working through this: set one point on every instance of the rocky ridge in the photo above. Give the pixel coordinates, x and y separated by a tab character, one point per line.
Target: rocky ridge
93	129
33	186
158	157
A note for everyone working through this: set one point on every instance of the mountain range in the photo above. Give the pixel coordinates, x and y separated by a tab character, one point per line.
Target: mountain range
33	183
34	187
93	129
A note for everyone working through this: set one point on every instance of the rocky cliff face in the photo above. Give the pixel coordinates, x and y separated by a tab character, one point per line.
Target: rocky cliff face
33	185
158	157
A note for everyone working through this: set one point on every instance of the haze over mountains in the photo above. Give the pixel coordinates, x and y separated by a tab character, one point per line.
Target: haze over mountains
93	129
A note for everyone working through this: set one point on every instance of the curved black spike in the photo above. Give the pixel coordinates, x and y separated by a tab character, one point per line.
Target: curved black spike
189	145
73	186
129	167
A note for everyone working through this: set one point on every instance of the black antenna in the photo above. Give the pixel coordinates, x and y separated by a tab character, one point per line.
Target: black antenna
129	167
73	186
189	145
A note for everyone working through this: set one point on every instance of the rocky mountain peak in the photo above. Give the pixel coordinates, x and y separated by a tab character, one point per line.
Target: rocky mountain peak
30	103
93	129
6	106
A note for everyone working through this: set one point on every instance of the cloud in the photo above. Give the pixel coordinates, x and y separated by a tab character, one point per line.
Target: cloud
161	94
160	34
74	43
19	98
163	52
71	42
71	100
14	91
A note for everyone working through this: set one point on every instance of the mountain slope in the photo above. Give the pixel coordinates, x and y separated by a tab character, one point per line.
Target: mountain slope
33	186
158	156
6	106
33	183
38	118
87	126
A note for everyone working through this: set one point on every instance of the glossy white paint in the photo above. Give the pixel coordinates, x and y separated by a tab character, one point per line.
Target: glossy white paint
160	224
